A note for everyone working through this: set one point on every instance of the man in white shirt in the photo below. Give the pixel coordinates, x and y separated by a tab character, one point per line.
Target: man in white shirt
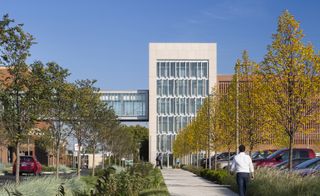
243	167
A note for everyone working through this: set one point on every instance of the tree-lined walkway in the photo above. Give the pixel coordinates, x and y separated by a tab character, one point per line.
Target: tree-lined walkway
184	183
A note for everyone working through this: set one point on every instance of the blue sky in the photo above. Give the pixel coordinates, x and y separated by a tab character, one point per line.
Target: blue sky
108	40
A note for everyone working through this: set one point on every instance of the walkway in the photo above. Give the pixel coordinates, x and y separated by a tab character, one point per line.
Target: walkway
184	183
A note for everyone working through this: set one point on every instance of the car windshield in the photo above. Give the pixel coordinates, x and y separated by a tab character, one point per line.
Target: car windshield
306	164
276	153
26	159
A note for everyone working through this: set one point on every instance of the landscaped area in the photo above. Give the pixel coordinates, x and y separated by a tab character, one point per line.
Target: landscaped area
267	181
140	179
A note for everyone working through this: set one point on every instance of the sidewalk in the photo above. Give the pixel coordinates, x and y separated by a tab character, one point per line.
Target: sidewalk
184	183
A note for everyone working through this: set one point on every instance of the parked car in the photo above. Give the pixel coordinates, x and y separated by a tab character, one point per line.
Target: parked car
222	159
28	164
308	164
262	154
285	164
283	155
311	171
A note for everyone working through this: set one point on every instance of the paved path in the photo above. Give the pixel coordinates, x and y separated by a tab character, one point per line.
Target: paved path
184	183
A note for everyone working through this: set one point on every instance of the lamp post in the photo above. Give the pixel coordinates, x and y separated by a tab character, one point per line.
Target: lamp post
209	131
237	107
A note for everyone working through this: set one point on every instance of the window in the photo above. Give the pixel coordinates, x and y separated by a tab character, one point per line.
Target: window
171	124
173	67
178	69
185	84
200	88
204	69
172	106
159	87
167	69
181	89
193	69
165	87
163	70
158	69
167	106
176	87
177	106
304	154
182	106
182	70
199	70
165	125
187	70
198	104
194	88
170	87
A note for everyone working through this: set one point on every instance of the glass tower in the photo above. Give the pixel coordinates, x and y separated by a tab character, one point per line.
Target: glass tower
182	86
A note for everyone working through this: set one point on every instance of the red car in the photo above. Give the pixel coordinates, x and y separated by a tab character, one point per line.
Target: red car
283	155
28	164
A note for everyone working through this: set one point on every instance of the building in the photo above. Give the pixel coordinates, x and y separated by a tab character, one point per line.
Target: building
301	140
128	105
181	75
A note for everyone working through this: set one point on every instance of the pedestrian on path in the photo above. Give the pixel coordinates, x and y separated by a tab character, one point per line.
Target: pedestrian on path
243	167
159	160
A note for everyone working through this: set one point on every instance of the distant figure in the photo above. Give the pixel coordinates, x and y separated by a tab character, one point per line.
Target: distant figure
159	160
243	167
178	162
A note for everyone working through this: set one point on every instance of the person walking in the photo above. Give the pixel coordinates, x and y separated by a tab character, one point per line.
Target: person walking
159	160
243	167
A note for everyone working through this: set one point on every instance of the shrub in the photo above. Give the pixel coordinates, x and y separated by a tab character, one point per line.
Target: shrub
137	179
273	182
214	175
43	186
143	168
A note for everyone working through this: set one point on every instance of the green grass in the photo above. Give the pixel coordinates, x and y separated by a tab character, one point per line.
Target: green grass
43	186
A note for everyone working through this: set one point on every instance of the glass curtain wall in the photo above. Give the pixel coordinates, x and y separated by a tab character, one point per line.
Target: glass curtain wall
127	104
181	89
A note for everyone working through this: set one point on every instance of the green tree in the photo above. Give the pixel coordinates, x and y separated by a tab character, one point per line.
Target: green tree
291	72
251	101
18	115
103	122
55	102
84	99
140	134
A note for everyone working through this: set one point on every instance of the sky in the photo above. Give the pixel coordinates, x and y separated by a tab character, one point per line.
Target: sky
108	40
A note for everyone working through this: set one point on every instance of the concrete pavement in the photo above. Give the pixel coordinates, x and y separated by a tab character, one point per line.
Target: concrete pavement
184	183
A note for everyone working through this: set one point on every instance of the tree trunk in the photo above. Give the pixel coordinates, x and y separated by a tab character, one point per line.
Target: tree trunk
215	160
93	159
18	163
197	159
79	160
228	159
57	161
290	152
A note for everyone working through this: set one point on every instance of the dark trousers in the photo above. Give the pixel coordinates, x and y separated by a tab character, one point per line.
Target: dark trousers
242	181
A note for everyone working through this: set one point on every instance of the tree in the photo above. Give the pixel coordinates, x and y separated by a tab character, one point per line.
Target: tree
55	103
251	101
100	127
140	134
17	115
291	72
84	100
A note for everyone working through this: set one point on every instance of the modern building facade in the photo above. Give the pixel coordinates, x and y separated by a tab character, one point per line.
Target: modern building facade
301	140
128	105
181	76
